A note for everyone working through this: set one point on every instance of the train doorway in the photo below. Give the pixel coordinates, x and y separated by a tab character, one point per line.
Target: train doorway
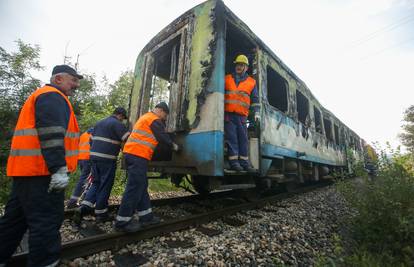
237	42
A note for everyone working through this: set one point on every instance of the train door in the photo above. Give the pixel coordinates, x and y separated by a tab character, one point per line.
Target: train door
164	77
237	42
164	81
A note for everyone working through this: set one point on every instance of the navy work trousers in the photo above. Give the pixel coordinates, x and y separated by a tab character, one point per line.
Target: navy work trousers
235	132
136	195
103	173
85	168
30	206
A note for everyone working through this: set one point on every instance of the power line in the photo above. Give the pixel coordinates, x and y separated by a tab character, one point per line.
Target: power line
387	48
387	28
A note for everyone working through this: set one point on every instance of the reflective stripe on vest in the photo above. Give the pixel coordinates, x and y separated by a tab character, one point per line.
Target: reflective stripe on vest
237	98
84	146
25	158
142	142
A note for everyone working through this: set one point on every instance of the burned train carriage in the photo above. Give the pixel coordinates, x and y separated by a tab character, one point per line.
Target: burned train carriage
185	64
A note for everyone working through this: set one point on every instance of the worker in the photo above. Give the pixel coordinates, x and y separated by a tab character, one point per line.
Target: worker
107	138
148	131
240	91
85	168
44	149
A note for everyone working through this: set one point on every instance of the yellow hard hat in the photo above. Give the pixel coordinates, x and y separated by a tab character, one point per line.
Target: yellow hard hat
241	59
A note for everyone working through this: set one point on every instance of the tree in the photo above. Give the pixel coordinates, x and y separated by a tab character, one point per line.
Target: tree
407	137
16	84
121	90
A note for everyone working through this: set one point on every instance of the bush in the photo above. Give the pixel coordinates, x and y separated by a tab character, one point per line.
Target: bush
383	226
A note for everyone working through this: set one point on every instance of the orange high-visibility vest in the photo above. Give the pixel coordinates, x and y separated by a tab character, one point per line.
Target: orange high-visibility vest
84	146
142	141
237	98
25	158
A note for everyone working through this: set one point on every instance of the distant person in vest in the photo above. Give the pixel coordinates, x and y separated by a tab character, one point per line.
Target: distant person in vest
84	166
44	149
148	131
240	91
107	138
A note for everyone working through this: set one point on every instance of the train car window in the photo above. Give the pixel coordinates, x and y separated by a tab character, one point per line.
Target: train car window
336	131
318	120
165	71
277	89
302	107
328	129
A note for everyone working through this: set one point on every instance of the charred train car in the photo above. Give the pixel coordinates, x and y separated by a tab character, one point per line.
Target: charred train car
298	140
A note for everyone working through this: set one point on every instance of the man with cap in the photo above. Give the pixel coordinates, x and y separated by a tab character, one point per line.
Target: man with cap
148	131
44	149
240	91
85	169
107	138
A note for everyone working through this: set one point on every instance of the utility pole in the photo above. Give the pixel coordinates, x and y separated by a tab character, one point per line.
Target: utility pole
66	58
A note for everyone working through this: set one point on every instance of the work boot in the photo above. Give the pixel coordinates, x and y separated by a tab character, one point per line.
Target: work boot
236	167
102	218
71	205
152	221
78	215
130	227
249	169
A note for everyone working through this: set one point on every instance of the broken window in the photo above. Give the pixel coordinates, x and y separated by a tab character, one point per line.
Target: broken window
165	71
276	90
328	129
302	107
238	43
318	120
336	131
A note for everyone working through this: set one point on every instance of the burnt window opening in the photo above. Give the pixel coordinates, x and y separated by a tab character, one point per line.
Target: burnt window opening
336	131
342	137
328	129
318	120
302	107
276	90
238	43
165	71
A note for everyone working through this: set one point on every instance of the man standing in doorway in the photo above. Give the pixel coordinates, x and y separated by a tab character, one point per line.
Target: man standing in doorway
44	149
139	148
107	138
240	91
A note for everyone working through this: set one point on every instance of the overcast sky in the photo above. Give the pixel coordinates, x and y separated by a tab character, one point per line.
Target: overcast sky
356	56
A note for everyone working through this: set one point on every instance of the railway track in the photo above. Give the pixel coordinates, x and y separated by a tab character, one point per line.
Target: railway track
117	240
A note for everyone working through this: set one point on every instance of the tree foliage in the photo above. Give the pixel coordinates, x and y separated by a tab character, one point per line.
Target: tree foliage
16	84
407	136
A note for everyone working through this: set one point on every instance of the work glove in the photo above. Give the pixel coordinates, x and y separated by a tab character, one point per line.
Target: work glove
175	147
59	180
257	117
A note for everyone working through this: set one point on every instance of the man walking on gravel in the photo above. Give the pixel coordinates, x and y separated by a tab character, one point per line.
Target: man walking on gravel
139	148
44	149
107	138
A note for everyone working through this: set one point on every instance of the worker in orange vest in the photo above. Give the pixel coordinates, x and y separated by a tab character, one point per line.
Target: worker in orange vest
44	149
84	166
240	91
148	131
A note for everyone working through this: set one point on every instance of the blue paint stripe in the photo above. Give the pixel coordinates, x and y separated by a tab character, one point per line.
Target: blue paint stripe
274	151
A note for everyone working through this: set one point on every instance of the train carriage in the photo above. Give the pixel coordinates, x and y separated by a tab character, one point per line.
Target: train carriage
298	140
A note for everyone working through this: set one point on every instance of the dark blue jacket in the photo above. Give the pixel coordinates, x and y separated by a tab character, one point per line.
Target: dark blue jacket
158	129
107	136
52	115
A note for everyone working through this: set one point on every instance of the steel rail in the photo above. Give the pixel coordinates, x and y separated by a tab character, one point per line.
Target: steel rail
116	240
